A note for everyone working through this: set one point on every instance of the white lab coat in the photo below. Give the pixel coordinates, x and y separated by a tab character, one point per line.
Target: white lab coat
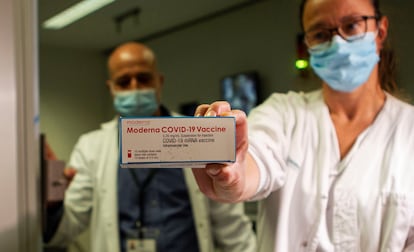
92	198
317	202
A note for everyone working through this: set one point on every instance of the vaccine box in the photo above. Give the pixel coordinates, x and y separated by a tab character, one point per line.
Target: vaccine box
176	142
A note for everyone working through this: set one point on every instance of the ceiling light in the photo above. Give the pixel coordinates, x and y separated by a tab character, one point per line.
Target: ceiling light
74	13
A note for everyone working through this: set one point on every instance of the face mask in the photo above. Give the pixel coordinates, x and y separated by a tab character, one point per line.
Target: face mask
136	102
344	65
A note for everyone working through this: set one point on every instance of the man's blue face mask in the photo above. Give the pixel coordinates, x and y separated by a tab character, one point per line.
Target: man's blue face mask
136	102
343	65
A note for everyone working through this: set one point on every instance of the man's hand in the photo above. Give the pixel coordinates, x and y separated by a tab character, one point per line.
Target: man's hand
69	174
49	154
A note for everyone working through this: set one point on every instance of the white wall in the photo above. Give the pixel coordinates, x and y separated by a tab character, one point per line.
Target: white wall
73	95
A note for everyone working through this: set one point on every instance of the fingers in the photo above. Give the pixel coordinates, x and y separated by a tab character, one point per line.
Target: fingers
212	179
222	108
69	173
215	109
224	182
48	152
201	110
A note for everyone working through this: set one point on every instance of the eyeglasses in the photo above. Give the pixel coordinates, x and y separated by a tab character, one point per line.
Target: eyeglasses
352	29
141	78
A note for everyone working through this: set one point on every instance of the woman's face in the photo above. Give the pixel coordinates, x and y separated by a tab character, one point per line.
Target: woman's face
328	14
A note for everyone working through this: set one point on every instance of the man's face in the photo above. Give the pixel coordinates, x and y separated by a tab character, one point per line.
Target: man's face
134	69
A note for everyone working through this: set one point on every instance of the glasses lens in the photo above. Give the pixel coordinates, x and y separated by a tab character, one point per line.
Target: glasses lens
144	78
317	37
123	81
141	78
353	29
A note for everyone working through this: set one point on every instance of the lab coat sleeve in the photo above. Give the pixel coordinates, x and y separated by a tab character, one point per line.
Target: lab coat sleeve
231	227
78	196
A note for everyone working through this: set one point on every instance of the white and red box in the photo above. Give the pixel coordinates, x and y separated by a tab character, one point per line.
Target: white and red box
167	142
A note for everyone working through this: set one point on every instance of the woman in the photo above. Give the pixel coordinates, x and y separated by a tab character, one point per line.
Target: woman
333	166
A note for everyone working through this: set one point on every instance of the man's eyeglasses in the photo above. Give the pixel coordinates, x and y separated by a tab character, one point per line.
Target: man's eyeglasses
353	29
141	78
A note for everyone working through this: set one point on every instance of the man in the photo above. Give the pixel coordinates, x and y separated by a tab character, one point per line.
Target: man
155	209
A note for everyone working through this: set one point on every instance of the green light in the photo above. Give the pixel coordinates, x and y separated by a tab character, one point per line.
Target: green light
301	64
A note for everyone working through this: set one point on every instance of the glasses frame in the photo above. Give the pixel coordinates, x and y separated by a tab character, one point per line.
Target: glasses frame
144	79
338	30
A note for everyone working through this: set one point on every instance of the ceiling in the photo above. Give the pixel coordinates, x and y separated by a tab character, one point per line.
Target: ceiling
100	31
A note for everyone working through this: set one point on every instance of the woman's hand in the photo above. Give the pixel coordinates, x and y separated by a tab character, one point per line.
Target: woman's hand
226	182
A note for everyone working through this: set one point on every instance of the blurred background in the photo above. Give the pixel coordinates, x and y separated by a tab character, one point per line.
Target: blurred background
201	46
198	44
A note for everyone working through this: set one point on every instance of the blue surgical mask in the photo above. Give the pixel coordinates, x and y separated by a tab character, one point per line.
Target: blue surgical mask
136	102
344	65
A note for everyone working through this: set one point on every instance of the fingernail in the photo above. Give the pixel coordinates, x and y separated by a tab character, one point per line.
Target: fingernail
214	171
210	113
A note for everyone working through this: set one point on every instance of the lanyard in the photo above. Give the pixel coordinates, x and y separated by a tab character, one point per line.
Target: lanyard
142	187
140	221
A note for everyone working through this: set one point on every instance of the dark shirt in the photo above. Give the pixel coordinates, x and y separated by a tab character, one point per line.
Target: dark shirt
161	206
167	210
